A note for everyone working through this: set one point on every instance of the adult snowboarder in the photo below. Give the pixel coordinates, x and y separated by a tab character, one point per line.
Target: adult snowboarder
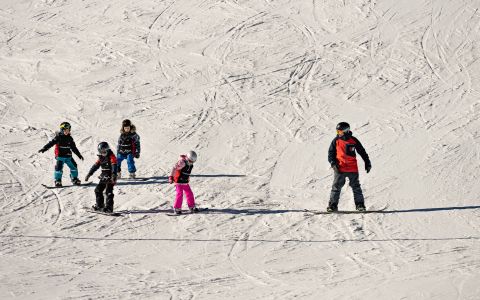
128	147
108	178
342	158
64	145
181	176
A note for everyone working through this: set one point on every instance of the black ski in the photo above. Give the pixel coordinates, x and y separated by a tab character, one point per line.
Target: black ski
65	186
187	212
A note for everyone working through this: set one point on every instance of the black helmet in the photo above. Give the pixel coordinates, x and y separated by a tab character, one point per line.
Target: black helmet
103	148
65	125
126	123
343	126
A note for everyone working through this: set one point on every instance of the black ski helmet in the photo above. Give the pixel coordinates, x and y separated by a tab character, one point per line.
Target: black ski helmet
343	126
103	148
65	125
126	123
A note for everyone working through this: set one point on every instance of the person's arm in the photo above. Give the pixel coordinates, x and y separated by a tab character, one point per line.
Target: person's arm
49	145
113	160
363	153
119	143
178	166
136	146
75	150
332	153
93	169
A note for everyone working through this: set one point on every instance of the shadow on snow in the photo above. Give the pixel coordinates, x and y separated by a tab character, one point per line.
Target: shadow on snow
265	211
431	209
232	240
164	179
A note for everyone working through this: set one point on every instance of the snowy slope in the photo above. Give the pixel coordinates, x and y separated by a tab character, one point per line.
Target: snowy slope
256	88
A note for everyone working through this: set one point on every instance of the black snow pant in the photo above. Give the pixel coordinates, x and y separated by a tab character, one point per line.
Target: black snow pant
106	186
339	181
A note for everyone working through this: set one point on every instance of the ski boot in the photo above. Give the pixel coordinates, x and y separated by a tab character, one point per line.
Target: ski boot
193	209
108	210
76	181
177	211
132	175
360	207
97	208
332	208
109	207
58	183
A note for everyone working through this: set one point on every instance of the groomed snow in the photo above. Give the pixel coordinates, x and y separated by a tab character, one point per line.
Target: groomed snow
256	88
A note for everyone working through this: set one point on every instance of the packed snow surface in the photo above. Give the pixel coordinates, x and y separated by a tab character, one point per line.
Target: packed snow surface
256	89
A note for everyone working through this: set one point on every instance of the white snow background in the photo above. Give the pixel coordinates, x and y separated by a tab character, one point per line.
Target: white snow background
256	88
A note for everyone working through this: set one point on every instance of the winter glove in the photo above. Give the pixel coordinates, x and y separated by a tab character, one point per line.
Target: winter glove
335	168
170	179
87	177
137	155
81	157
42	150
368	168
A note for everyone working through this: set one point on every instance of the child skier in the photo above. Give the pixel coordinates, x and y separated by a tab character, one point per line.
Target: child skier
342	158
108	178
64	145
181	176
128	147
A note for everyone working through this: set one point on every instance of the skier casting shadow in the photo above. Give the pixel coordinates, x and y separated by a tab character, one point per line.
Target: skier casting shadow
342	158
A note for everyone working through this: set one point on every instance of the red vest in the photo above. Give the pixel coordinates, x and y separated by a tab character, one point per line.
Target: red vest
346	155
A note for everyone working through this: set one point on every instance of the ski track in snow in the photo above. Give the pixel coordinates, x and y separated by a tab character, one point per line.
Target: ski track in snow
255	87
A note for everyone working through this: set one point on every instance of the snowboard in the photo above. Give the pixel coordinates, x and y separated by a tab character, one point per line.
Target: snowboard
187	212
133	179
112	214
345	212
65	186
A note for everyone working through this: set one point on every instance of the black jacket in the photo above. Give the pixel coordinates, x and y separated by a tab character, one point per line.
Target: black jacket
64	145
129	142
108	164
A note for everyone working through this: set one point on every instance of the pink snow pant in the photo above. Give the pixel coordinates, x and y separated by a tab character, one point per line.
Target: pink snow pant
179	197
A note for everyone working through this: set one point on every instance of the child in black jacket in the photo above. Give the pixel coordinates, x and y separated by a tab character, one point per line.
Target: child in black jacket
64	145
128	147
108	178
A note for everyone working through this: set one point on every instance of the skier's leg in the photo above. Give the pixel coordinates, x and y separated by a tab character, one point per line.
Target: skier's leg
178	196
109	193
70	162
58	169
189	196
354	182
99	194
338	183
131	163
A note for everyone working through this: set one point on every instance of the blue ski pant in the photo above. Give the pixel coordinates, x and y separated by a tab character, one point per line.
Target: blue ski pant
130	162
59	167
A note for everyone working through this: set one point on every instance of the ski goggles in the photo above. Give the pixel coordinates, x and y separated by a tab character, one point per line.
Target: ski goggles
65	125
339	131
